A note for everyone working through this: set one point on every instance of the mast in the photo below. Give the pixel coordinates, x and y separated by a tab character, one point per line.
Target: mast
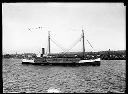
49	41
83	44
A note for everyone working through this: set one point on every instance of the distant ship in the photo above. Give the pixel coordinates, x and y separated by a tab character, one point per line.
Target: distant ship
52	60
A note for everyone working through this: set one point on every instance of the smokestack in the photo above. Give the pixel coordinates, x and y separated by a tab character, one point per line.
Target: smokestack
43	51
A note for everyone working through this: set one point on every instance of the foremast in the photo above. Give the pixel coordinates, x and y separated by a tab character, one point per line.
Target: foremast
49	42
83	44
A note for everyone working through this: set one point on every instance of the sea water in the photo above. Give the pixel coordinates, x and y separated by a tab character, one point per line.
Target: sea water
109	76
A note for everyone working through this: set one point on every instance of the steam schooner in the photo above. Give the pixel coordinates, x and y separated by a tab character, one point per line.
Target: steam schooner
52	60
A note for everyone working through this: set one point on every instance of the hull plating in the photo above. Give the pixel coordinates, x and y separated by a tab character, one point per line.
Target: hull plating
63	62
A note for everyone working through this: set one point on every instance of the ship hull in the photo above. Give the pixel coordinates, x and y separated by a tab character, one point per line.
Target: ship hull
28	61
73	64
95	62
65	64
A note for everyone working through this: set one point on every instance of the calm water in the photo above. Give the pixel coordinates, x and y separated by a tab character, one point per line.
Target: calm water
110	76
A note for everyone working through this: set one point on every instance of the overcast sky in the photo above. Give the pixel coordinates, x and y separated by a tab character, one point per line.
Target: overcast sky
103	23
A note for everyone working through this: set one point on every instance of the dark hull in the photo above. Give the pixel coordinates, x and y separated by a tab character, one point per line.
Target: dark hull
31	63
96	63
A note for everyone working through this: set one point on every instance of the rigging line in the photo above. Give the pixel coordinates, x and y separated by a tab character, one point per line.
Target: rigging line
79	39
70	49
73	45
57	45
89	43
67	50
57	42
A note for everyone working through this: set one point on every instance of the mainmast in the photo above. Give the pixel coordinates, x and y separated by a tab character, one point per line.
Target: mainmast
49	41
83	43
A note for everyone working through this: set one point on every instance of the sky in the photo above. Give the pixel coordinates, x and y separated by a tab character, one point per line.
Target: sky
104	25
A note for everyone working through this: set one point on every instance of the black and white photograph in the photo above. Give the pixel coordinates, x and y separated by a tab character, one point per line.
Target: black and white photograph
58	47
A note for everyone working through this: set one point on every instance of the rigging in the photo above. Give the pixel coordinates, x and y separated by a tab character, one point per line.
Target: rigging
65	51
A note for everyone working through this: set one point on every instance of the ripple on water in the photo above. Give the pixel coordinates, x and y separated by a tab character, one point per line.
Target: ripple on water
111	75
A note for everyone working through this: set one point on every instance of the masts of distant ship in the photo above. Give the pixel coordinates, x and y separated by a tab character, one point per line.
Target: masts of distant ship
83	44
49	41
